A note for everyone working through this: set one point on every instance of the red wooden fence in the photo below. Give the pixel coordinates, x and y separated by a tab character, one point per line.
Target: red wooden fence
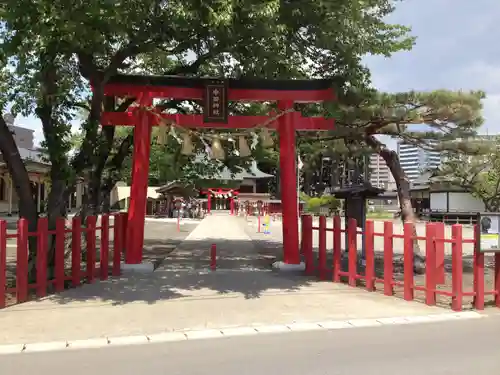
433	283
15	286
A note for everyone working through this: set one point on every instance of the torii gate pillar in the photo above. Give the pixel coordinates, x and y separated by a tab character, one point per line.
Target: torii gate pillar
139	188
288	186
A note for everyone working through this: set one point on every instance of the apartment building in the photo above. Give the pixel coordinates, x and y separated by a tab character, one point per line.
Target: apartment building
415	160
37	169
380	174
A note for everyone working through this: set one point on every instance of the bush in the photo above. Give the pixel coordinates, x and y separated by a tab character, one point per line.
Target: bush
319	204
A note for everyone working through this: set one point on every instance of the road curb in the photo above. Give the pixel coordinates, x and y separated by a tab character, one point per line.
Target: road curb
186	335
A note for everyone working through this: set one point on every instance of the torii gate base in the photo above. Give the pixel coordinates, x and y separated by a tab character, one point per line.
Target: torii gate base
285	93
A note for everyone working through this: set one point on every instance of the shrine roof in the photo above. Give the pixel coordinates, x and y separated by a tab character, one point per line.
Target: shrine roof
242	83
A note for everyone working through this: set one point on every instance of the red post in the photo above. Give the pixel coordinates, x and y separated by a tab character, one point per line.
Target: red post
124	227
91	248
22	261
322	247
337	248
104	247
209	202
439	257
478	271
76	250
288	184
408	262
307	243
3	261
213	257
231	205
41	256
138	190
457	267
497	279
388	258
59	253
431	242
352	236
118	239
370	255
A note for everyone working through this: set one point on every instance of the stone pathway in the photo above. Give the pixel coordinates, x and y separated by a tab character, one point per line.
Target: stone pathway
234	248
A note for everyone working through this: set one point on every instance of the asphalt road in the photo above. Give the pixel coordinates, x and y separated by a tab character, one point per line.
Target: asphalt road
456	348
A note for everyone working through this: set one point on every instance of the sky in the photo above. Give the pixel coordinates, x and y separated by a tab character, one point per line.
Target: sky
456	48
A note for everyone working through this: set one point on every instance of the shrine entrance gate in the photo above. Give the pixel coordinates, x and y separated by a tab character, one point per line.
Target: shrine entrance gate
215	95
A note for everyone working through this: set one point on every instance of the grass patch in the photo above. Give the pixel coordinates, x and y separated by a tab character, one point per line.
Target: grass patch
379	215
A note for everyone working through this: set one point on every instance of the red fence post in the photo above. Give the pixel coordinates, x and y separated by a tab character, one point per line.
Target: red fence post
307	243
457	267
118	239
478	271
497	279
352	236
41	256
370	255
408	262
104	263
388	258
22	261
337	248
91	248
124	227
431	242
3	261
213	257
322	247
76	250
60	239
439	257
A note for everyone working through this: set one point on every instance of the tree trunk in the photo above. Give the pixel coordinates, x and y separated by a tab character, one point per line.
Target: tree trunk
19	174
20	177
307	181
391	159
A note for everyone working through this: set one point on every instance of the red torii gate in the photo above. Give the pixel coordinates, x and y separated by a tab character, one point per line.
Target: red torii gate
215	95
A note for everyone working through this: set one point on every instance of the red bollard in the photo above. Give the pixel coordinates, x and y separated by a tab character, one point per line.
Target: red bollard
439	232
213	257
337	251
457	267
307	243
370	255
409	282
322	247
352	246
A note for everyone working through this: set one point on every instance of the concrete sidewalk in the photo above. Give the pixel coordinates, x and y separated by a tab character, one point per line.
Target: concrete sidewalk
183	294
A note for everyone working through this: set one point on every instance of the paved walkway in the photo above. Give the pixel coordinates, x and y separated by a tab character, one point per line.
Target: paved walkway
234	248
183	294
